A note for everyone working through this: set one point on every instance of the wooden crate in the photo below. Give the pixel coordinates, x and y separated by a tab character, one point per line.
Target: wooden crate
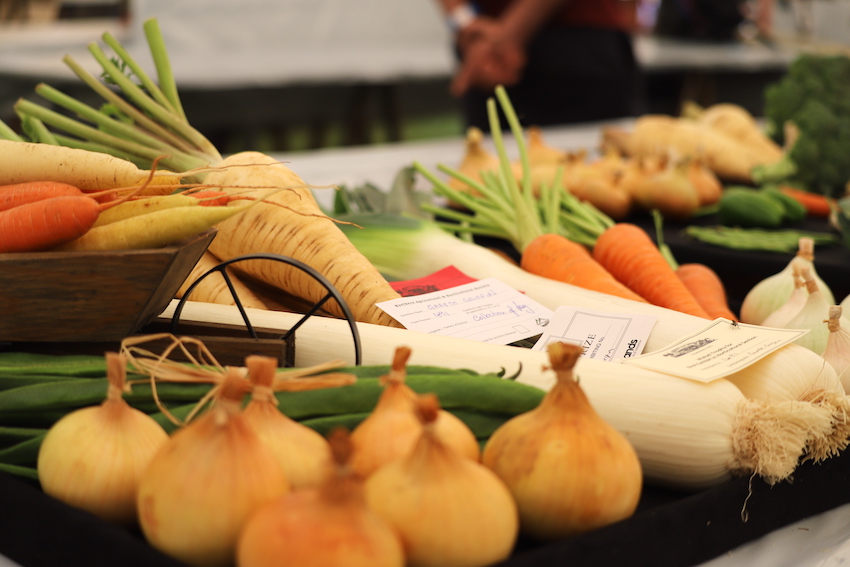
91	296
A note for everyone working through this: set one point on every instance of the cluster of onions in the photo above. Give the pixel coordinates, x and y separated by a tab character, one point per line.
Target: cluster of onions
303	453
93	458
569	470
392	428
773	292
330	524
449	510
837	349
208	478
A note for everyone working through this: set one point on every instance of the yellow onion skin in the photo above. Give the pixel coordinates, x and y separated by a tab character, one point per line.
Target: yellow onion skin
302	452
303	530
392	429
449	510
93	458
201	487
568	470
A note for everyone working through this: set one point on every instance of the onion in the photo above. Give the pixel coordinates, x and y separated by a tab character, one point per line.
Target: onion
772	292
203	484
392	429
450	511
811	317
568	469
837	349
93	458
328	525
792	305
301	451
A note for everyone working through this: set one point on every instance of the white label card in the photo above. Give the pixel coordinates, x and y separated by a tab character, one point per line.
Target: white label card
486	310
604	336
721	349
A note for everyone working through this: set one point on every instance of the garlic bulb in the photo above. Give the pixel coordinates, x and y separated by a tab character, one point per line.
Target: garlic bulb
568	469
772	292
812	316
204	483
302	452
449	510
391	430
837	349
327	525
792	305
94	457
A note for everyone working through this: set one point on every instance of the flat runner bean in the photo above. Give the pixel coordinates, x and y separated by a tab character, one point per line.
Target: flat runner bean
757	239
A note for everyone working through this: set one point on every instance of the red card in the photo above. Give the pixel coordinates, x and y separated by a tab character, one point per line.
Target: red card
443	279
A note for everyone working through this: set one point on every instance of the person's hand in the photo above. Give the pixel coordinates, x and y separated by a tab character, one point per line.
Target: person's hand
490	57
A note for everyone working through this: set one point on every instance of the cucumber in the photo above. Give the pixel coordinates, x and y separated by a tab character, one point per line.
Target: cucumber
794	209
749	208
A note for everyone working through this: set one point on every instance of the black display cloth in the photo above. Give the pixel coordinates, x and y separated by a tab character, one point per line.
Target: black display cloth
669	529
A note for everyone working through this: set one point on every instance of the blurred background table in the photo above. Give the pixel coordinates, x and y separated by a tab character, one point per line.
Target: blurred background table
318	73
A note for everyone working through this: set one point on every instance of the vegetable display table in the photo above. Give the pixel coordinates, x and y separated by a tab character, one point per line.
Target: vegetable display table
670	529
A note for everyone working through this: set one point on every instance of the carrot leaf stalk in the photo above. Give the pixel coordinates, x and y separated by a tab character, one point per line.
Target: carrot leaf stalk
140	123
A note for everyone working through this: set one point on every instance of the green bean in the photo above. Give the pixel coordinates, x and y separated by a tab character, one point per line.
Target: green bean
7	382
27	473
75	365
483	392
52	395
326	424
24	453
12	435
783	241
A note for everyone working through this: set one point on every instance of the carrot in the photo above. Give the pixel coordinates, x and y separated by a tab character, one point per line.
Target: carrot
292	224
816	205
20	193
46	224
154	229
707	287
558	258
21	162
212	198
214	289
628	252
703	282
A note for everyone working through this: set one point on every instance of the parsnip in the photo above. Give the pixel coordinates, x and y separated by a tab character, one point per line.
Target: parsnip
290	223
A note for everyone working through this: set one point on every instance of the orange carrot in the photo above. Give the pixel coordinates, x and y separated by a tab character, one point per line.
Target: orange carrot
559	258
20	193
707	287
628	252
816	205
45	224
212	198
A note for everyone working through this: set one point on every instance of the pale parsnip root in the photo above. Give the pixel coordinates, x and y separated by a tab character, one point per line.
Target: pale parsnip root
21	162
290	223
213	288
661	135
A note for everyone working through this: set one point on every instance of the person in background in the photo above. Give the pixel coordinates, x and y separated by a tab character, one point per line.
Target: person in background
561	61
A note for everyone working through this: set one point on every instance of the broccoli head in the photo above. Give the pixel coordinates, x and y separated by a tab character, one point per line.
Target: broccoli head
814	95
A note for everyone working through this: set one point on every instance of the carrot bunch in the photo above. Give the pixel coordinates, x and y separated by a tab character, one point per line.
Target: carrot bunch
41	215
38	216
